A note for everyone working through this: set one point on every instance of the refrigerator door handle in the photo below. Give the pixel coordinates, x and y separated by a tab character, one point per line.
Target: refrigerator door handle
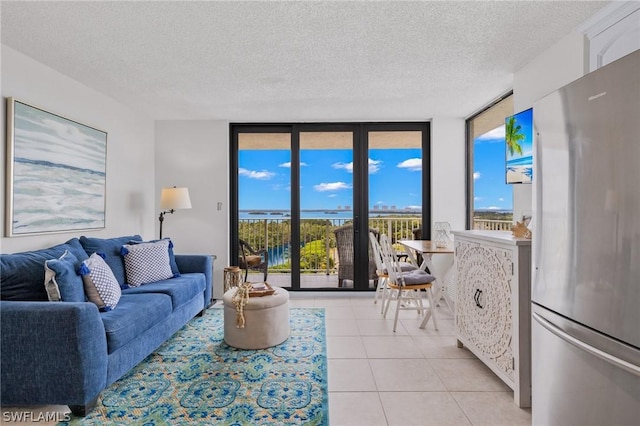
620	363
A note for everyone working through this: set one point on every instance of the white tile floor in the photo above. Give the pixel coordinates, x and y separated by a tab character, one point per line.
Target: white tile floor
410	377
378	377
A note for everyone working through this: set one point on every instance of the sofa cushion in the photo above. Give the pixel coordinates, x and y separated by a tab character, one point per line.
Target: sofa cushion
100	285
146	262
181	289
111	248
172	256
22	274
136	314
62	282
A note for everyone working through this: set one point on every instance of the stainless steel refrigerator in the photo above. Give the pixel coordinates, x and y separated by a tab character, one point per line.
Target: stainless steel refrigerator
586	250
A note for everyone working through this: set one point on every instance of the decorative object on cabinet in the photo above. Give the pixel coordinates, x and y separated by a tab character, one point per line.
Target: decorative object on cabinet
493	307
442	234
56	172
520	230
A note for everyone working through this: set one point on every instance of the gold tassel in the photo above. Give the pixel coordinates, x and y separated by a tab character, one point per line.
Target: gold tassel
239	300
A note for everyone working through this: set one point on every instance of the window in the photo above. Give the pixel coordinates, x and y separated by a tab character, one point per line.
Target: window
489	198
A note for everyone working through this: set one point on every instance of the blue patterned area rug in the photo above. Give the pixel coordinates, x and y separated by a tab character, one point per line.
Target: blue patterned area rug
196	378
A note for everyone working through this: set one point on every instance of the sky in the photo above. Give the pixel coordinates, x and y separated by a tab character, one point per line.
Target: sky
489	156
326	178
524	119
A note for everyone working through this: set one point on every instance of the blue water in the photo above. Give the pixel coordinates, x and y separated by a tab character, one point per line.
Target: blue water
278	255
54	197
521	161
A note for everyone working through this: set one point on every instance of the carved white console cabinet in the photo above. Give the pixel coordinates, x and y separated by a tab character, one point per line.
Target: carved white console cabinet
493	304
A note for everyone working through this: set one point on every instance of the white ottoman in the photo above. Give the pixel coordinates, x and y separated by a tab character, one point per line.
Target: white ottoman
266	320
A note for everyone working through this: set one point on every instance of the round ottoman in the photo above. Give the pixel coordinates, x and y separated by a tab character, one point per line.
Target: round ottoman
266	320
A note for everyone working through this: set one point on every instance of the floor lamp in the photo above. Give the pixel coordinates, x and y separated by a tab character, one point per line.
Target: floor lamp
172	199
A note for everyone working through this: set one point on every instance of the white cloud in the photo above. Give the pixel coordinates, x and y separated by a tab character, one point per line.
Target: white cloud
477	198
476	175
331	186
374	166
287	165
346	166
254	174
495	135
332	195
413	164
493	208
500	199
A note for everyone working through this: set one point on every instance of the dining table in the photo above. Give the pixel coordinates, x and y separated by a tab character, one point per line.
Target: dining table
427	249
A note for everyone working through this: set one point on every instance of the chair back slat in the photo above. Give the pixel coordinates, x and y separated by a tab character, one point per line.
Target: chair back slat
391	261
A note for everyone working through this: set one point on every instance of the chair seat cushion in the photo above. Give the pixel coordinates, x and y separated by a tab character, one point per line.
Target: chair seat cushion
181	289
136	314
417	277
253	260
404	267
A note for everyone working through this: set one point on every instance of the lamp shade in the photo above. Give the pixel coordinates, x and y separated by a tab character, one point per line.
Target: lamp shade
175	198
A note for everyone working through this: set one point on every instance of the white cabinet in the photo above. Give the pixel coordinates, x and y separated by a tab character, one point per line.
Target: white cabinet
493	304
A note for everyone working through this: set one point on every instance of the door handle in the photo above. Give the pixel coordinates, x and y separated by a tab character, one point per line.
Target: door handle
620	363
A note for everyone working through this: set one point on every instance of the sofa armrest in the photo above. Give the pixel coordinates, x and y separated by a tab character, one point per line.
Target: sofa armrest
51	353
189	263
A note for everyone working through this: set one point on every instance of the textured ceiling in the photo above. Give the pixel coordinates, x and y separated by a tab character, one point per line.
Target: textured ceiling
292	61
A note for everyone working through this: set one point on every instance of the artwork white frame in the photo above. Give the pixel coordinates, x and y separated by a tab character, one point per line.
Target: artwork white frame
56	173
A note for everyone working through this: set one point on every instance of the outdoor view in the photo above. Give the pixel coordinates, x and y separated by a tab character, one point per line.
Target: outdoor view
326	173
492	196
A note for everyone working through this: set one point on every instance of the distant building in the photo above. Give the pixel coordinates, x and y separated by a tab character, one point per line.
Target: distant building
385	207
339	207
347	207
376	207
393	208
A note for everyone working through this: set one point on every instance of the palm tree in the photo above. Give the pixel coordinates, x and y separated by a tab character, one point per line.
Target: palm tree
513	136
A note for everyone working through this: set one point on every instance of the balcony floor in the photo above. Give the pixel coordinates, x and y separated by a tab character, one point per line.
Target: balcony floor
307	281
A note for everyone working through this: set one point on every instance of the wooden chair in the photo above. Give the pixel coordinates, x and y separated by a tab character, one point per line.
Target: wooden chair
409	286
344	244
383	292
250	259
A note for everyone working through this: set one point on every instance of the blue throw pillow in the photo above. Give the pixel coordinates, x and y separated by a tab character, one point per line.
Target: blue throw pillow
61	280
100	284
22	274
146	262
172	256
111	249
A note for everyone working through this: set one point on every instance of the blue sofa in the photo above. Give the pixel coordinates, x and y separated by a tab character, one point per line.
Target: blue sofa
67	352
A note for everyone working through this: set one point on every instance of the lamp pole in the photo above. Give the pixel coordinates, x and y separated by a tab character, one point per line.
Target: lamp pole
161	219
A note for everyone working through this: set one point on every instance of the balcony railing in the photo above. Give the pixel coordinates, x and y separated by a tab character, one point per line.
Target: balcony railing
492	225
318	251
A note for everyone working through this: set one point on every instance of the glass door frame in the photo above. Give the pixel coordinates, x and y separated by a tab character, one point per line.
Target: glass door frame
360	186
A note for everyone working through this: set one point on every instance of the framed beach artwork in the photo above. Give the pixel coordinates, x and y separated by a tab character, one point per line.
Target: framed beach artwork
56	172
519	147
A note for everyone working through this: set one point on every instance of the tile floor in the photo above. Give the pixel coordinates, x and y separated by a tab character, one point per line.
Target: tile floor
410	377
378	377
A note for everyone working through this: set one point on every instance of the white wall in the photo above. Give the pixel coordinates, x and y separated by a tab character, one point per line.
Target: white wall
556	67
195	154
130	146
448	171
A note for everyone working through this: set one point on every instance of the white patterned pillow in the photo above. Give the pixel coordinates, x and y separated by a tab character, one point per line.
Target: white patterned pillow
146	262
100	285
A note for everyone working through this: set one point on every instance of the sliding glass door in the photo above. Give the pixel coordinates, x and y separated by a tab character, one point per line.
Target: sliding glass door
306	195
